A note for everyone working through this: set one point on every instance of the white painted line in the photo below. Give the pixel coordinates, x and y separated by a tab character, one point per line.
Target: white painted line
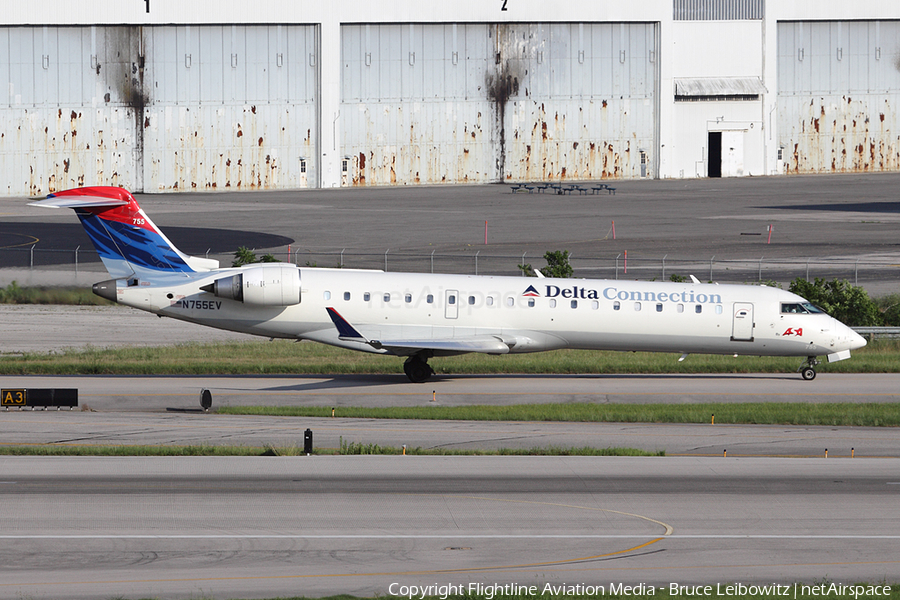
251	536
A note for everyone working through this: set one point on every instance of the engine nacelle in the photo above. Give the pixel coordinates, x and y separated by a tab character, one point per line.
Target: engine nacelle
273	285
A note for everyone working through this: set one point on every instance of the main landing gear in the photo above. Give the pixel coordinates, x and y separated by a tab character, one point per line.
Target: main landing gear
807	369
417	369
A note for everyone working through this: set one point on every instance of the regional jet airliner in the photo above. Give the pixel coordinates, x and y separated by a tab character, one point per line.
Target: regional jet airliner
420	316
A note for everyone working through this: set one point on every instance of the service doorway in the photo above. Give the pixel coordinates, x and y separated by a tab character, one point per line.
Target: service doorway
714	154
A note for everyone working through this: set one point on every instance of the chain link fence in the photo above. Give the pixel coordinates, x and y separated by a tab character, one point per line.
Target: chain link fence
859	271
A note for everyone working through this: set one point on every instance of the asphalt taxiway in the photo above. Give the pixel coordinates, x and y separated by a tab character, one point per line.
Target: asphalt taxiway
265	527
277	526
286	434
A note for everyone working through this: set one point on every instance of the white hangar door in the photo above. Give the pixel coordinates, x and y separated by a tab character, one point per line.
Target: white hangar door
158	108
454	103
838	96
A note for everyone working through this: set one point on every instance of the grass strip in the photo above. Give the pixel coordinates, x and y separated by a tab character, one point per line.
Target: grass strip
346	449
750	413
67	295
286	357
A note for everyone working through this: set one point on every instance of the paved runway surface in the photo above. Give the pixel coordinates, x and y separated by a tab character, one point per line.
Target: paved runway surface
257	527
158	393
286	434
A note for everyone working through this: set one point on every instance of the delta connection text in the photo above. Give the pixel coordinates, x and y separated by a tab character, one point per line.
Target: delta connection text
613	293
721	590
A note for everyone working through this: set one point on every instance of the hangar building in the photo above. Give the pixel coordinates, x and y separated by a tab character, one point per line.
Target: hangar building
167	95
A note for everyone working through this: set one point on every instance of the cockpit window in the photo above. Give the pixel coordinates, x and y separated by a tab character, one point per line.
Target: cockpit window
802	308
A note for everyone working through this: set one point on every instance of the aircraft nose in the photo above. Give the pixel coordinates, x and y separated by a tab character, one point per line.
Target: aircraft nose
856	340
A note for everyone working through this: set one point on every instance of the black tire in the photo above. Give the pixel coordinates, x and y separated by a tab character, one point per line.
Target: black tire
417	370
808	373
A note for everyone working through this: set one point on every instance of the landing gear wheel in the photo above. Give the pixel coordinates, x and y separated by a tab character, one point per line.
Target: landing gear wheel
807	369
417	369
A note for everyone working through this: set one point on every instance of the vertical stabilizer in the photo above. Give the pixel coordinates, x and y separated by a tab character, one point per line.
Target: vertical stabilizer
128	242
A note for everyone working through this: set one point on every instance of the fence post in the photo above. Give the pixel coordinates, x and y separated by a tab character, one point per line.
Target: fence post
523	264
31	264
432	262
342	257
664	268
807	270
76	259
476	261
617	265
856	274
385	259
759	271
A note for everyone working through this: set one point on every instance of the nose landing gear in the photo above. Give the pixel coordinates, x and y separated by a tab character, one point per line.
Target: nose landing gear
807	370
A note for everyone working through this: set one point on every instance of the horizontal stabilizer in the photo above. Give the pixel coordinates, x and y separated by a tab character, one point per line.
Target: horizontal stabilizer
79	202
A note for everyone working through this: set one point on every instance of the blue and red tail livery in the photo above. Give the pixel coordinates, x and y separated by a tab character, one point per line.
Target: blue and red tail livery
128	242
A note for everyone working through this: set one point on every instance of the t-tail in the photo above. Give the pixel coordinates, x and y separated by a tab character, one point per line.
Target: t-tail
129	244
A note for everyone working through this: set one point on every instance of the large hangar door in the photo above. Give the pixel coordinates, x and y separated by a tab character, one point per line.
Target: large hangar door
583	104
838	96
158	108
448	103
230	107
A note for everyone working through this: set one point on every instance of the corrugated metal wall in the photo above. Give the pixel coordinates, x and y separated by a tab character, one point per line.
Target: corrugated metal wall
838	96
488	102
158	108
718	10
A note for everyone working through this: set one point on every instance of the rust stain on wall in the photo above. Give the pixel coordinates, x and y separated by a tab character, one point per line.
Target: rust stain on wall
842	134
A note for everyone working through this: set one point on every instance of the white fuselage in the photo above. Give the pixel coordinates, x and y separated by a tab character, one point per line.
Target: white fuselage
526	314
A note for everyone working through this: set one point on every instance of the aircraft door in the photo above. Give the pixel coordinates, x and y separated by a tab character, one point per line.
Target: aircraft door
742	329
451	304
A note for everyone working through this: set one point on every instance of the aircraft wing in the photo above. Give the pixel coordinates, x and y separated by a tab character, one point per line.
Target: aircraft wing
487	344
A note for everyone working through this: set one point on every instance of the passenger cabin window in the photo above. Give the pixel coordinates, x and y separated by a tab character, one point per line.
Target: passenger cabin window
718	309
510	301
637	306
616	305
698	309
367	296
595	304
489	301
659	307
451	299
679	308
346	295
531	302
471	300
552	302
408	298
326	294
429	298
574	304
387	297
